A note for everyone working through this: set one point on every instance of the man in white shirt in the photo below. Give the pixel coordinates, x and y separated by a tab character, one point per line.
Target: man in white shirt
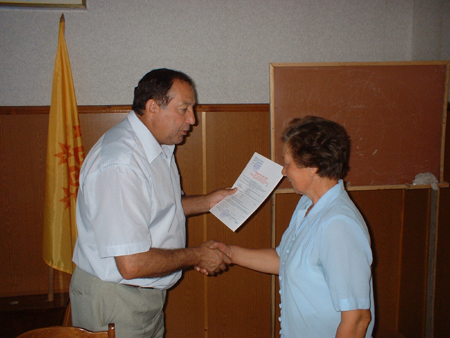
131	214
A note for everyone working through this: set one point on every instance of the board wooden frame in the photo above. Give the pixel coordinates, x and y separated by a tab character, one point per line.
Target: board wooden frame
320	75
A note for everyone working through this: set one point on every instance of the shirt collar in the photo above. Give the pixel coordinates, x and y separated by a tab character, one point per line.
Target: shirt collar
151	146
327	198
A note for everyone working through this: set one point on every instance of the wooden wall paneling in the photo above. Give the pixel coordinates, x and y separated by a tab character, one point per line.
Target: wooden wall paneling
442	290
185	306
239	300
413	283
94	125
383	212
23	142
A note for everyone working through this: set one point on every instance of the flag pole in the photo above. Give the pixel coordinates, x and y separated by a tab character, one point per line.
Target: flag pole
51	271
51	284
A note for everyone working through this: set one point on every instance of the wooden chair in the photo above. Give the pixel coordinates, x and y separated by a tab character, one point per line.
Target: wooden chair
67	321
69	332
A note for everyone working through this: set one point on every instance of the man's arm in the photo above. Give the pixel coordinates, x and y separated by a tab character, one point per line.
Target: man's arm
353	324
198	204
162	262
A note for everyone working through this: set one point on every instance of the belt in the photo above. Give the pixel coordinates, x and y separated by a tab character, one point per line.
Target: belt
138	286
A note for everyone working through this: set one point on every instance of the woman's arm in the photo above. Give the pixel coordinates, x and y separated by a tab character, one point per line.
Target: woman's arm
262	260
353	324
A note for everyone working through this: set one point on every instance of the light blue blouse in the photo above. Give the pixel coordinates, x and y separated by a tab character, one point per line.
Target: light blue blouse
325	266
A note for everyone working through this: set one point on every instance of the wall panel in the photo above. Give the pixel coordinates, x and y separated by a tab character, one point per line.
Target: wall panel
382	210
22	160
185	307
239	302
414	264
442	300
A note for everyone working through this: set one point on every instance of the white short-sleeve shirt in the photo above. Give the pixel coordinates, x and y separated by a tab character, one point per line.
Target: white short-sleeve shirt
129	200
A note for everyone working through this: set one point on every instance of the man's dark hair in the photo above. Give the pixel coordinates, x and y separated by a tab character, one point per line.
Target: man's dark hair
156	85
315	142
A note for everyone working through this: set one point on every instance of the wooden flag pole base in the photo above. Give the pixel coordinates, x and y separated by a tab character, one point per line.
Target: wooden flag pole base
51	284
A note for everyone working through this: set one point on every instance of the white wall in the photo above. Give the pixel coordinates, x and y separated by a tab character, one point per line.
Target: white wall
430	29
224	45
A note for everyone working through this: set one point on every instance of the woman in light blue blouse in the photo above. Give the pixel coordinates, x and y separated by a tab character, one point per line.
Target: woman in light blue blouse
324	258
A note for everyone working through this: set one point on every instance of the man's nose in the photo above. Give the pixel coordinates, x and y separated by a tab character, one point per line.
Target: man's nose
190	118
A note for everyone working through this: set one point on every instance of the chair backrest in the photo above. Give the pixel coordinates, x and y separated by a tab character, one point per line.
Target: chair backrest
69	332
67	321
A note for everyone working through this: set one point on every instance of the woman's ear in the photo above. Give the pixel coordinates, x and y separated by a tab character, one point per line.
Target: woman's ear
312	171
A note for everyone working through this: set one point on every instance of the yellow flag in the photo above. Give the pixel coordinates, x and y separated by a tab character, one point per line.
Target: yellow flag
65	155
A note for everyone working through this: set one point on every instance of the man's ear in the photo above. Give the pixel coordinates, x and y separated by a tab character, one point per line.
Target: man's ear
151	108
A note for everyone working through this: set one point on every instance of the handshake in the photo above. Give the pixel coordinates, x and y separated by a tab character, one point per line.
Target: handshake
213	257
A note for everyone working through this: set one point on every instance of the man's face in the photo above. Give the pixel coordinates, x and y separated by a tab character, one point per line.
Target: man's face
172	123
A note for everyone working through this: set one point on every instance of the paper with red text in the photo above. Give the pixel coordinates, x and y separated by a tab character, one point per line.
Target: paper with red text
255	183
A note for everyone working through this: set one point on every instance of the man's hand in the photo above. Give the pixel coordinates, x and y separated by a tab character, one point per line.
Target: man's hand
212	261
199	204
218	195
262	260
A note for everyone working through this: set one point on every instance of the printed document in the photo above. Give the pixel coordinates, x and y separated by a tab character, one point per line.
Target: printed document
254	185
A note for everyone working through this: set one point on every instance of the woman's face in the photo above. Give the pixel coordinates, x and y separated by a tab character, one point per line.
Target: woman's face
300	178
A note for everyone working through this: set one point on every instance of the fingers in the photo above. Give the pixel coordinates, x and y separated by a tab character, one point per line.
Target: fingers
218	195
226	249
203	271
227	260
213	260
219	265
207	244
228	191
219	269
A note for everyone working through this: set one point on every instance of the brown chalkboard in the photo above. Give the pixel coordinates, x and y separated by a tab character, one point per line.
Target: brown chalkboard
394	112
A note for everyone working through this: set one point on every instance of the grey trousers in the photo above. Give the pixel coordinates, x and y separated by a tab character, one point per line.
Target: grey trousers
136	312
